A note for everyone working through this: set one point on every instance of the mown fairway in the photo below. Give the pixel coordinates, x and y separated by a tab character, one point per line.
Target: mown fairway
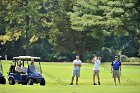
58	76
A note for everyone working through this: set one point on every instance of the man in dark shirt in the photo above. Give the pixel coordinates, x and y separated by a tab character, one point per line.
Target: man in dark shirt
116	69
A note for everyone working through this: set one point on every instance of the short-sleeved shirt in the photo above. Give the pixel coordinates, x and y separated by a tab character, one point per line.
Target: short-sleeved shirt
77	62
96	64
116	65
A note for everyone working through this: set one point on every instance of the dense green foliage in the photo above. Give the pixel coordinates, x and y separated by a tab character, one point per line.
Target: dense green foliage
56	30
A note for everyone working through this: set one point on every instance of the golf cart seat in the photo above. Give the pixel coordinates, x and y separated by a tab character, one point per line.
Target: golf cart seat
18	69
24	69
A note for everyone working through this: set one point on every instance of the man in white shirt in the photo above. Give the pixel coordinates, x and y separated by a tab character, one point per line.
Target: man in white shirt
76	69
96	61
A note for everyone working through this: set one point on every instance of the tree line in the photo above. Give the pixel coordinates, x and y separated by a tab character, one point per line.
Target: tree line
56	30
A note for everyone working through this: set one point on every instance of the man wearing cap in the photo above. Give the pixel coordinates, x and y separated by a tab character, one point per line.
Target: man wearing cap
116	69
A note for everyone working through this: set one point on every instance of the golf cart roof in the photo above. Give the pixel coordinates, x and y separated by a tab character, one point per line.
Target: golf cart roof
26	57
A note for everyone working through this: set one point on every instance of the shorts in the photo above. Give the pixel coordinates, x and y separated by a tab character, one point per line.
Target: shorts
116	73
76	73
96	72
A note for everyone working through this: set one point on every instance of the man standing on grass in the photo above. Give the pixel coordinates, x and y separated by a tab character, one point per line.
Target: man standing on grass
116	69
96	61
76	69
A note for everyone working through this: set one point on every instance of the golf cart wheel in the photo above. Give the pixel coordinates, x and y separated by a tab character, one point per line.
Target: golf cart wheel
11	81
30	81
42	82
3	80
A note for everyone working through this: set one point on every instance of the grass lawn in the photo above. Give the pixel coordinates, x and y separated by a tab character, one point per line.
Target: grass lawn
58	76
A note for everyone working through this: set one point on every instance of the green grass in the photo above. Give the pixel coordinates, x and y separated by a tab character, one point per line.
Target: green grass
58	76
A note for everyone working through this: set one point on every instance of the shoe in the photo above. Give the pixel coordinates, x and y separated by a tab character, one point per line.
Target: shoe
115	84
94	84
99	83
71	84
76	83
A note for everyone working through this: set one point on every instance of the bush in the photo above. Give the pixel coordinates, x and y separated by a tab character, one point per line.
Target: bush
87	57
107	54
59	57
131	59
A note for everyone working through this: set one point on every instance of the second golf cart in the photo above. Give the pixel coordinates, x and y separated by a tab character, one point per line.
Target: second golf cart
2	78
25	73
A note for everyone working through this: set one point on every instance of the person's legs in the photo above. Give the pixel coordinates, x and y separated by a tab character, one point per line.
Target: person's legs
118	75
114	76
98	77
93	78
119	80
72	79
94	74
77	76
73	75
114	80
77	80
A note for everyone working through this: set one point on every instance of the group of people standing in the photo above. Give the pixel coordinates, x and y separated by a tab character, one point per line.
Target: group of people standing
115	69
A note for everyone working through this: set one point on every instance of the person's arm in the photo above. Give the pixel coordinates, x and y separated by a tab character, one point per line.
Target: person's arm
80	64
74	63
120	67
94	59
99	61
111	67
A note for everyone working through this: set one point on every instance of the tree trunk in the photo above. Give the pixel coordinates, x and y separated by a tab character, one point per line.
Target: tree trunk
27	18
27	43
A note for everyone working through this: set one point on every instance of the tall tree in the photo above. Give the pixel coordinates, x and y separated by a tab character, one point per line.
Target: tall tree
25	19
63	36
127	11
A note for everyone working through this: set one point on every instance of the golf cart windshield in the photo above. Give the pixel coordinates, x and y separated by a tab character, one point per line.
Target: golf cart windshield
34	67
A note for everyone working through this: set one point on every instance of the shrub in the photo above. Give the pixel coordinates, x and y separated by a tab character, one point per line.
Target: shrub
131	59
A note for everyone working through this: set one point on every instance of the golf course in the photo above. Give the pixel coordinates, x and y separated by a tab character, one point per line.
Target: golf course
58	76
44	44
